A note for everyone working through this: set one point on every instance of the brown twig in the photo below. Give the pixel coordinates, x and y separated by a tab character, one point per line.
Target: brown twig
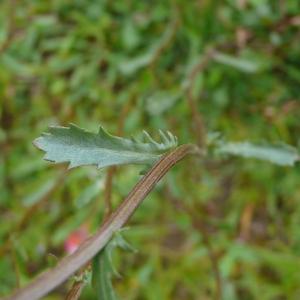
211	254
75	292
47	281
200	226
112	170
198	124
11	26
77	287
166	40
246	221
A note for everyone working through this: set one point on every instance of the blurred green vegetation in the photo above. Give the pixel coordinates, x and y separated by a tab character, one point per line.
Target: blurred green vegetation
134	65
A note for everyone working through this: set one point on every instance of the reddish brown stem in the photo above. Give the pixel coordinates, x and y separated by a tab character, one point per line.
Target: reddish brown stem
77	287
198	124
49	280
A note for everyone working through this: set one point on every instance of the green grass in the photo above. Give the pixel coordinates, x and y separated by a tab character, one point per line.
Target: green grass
126	65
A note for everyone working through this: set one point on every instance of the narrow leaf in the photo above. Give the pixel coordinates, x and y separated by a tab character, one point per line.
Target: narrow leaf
101	278
80	147
131	65
237	63
103	269
283	155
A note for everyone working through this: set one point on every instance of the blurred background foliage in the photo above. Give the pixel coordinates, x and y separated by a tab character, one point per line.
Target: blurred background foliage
215	229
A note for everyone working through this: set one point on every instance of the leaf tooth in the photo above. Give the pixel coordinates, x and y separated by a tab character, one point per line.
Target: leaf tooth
102	131
170	138
151	140
164	137
173	138
73	164
134	139
58	129
38	142
71	126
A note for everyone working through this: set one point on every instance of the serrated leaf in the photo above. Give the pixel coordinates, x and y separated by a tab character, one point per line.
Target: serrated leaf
80	147
283	155
103	269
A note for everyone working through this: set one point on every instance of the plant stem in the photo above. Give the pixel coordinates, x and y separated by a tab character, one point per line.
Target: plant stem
49	280
77	287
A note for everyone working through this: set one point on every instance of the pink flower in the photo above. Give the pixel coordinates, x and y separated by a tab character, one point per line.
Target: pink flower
75	239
